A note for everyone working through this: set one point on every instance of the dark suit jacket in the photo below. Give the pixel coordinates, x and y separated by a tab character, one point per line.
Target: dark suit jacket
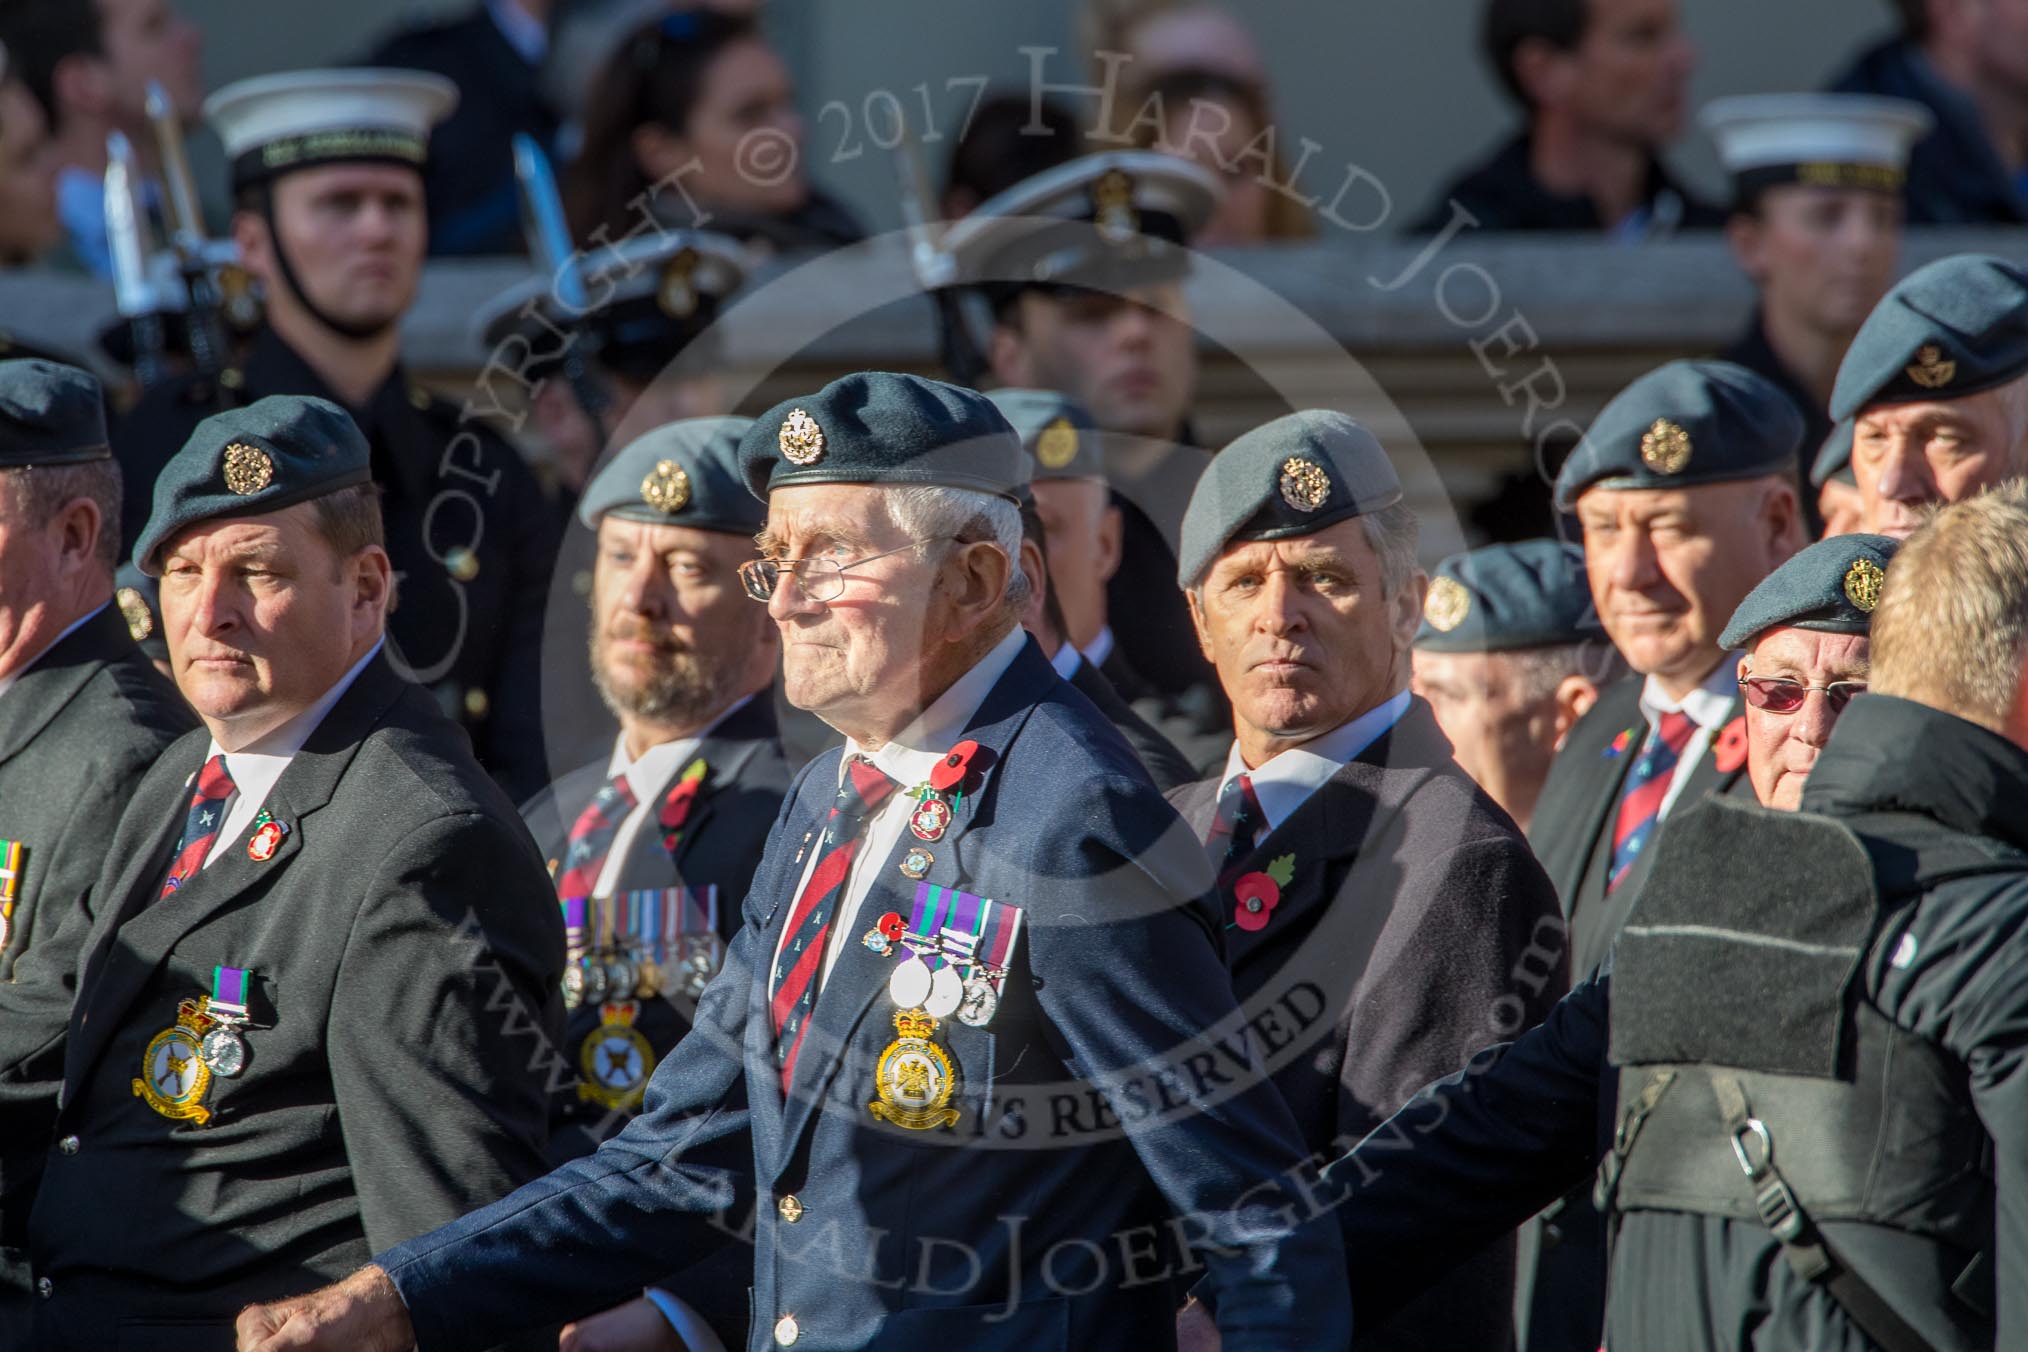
1416	929
907	1239
77	731
744	783
469	532
1166	765
405	951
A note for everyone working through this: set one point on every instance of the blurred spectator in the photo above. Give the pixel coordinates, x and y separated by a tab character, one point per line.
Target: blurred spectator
694	121
1007	141
89	63
29	228
492	54
1967	62
1602	84
1222	124
1816	223
1168	35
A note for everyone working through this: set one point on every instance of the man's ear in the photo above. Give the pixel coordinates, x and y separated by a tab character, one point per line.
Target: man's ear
1197	622
1574	697
255	244
78	525
1406	616
1008	355
1111	542
373	584
1743	232
1544	73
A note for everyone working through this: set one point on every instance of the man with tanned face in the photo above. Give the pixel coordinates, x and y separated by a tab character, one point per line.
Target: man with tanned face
327	177
981	889
1936	386
322	966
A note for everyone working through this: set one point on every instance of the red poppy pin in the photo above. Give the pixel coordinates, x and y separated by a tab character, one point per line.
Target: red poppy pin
1255	895
676	807
1728	753
267	838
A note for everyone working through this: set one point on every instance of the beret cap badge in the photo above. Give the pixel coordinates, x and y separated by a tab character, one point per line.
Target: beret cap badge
1446	605
666	488
1863	581
1304	484
1112	199
801	440
1665	447
247	468
675	292
140	622
1929	369
1057	444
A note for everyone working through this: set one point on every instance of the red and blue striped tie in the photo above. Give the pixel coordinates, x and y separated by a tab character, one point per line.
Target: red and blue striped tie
591	838
1646	787
201	824
1236	827
801	960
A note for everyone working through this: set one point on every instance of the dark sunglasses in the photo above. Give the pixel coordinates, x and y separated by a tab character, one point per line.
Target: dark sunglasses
1777	696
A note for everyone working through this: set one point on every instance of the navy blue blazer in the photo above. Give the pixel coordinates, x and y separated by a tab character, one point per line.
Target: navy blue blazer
1117	1143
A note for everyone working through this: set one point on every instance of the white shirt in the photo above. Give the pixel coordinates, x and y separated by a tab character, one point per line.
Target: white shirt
1100	648
7	681
1707	706
255	769
907	760
1284	780
1067	660
648	777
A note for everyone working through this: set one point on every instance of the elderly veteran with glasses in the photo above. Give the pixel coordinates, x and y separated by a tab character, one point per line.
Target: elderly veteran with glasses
960	1047
1804	632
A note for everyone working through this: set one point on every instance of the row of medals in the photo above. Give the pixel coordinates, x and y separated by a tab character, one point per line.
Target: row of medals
940	993
222	1048
623	974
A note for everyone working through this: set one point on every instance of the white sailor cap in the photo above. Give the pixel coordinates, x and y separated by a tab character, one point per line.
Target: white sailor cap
644	300
272	124
1822	140
1110	221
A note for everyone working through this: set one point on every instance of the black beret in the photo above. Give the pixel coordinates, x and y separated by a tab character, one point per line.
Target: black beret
1682	425
1533	594
1834	457
1293	476
1952	328
680	474
274	453
140	600
1832	585
50	414
1062	440
880	427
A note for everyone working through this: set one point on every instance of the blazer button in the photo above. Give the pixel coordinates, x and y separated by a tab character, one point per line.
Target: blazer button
786	1329
68	1145
44	1287
791	1208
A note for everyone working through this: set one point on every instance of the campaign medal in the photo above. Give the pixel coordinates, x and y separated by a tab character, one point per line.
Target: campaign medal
573	985
223	1049
980	1003
12	855
910	983
174	1076
615	1059
946	993
267	837
914	1077
931	818
574	975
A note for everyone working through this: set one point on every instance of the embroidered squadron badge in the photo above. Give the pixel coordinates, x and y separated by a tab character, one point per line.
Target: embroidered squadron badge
615	1059
914	1077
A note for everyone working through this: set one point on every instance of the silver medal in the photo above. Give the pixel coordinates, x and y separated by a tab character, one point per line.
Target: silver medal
945	994
909	987
980	1003
224	1051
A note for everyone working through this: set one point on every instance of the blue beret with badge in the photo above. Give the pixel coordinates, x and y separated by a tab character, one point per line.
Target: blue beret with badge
1290	477
50	414
271	454
683	473
1833	586
1507	597
1951	328
1682	425
883	427
1061	438
1834	457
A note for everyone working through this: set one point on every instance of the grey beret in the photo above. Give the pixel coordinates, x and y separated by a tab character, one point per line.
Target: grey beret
680	474
1833	586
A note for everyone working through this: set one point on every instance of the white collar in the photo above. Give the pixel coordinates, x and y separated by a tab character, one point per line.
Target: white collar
1288	777
255	769
648	772
915	751
1067	660
7	681
1707	705
1101	646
